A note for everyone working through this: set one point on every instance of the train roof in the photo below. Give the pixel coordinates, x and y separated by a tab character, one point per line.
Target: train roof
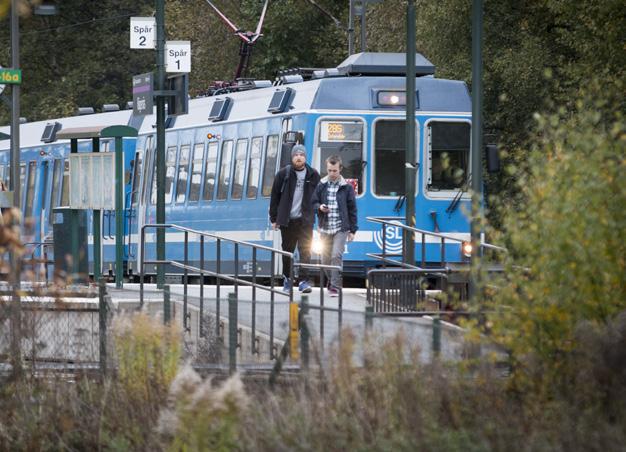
354	91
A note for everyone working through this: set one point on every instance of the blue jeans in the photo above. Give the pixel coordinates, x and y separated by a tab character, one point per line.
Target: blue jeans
332	254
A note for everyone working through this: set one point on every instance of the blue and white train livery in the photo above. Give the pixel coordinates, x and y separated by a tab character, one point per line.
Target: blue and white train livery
222	156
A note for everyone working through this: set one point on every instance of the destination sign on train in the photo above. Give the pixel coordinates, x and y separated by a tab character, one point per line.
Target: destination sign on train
341	131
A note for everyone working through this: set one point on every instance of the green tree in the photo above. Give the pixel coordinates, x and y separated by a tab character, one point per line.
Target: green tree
567	242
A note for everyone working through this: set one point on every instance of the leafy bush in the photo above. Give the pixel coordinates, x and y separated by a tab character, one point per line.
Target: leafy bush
567	240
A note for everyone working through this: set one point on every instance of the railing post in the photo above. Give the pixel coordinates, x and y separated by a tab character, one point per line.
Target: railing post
253	336
384	239
185	280
322	280
166	304
304	331
272	295
236	272
369	317
142	265
436	336
200	327
102	317
218	269
232	333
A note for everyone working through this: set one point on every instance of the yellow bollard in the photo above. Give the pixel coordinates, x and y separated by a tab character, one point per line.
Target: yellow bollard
294	334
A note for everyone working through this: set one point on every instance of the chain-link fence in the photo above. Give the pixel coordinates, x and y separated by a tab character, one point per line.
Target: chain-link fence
48	329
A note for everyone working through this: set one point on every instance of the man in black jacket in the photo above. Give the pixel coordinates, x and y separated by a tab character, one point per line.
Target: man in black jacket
292	212
334	201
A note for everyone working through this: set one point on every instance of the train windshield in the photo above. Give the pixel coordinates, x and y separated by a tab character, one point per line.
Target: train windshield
448	155
345	139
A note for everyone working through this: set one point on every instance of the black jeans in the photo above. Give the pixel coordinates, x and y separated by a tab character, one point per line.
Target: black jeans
299	233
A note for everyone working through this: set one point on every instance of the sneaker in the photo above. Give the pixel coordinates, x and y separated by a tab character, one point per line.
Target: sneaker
286	285
333	292
305	287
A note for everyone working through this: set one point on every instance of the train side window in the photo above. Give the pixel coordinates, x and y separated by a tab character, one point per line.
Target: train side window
240	168
209	173
136	173
65	184
448	155
30	189
345	139
254	167
224	177
269	172
3	176
57	174
183	173
389	158
196	172
170	172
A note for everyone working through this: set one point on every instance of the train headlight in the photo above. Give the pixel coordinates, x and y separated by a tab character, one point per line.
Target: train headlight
317	246
466	249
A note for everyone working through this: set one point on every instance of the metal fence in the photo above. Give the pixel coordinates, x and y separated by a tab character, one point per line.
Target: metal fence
49	329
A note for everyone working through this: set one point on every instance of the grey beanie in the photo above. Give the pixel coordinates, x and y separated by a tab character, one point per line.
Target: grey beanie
298	149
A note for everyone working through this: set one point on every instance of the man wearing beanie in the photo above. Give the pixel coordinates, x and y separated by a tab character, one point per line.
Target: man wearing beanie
292	212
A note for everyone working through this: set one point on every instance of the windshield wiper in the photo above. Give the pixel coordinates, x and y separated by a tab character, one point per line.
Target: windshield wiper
457	198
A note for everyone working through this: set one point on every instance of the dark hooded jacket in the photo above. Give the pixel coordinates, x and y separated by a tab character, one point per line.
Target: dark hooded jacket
282	195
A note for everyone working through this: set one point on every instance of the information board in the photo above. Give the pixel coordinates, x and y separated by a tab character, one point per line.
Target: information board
92	181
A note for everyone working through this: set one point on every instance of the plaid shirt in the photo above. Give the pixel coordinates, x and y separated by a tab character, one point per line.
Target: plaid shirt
333	223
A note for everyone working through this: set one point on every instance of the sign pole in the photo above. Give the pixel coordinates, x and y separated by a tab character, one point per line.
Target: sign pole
477	137
410	166
160	139
97	235
119	213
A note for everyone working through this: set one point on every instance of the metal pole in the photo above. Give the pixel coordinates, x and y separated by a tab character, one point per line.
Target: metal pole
363	27
102	314
97	233
232	333
410	167
14	185
160	138
119	213
477	130
351	29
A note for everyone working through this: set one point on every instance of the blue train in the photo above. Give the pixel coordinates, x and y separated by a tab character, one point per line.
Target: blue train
222	156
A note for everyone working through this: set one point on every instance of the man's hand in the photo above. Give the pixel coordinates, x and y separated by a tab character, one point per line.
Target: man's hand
275	226
350	236
323	208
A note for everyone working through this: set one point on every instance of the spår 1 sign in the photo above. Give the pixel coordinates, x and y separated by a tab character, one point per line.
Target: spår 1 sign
178	56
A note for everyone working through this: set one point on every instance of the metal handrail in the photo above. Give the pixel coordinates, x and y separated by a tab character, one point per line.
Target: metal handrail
395	221
186	267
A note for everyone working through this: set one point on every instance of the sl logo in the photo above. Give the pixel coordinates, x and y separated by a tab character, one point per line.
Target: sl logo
393	238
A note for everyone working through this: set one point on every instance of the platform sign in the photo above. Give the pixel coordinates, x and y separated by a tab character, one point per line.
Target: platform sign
142	32
92	181
142	94
178	56
11	76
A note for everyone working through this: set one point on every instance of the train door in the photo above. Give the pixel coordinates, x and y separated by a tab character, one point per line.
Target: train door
145	188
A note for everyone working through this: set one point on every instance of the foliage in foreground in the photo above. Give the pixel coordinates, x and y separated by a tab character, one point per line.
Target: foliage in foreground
567	242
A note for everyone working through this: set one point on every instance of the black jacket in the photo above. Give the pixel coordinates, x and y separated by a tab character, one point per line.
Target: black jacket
346	201
282	195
